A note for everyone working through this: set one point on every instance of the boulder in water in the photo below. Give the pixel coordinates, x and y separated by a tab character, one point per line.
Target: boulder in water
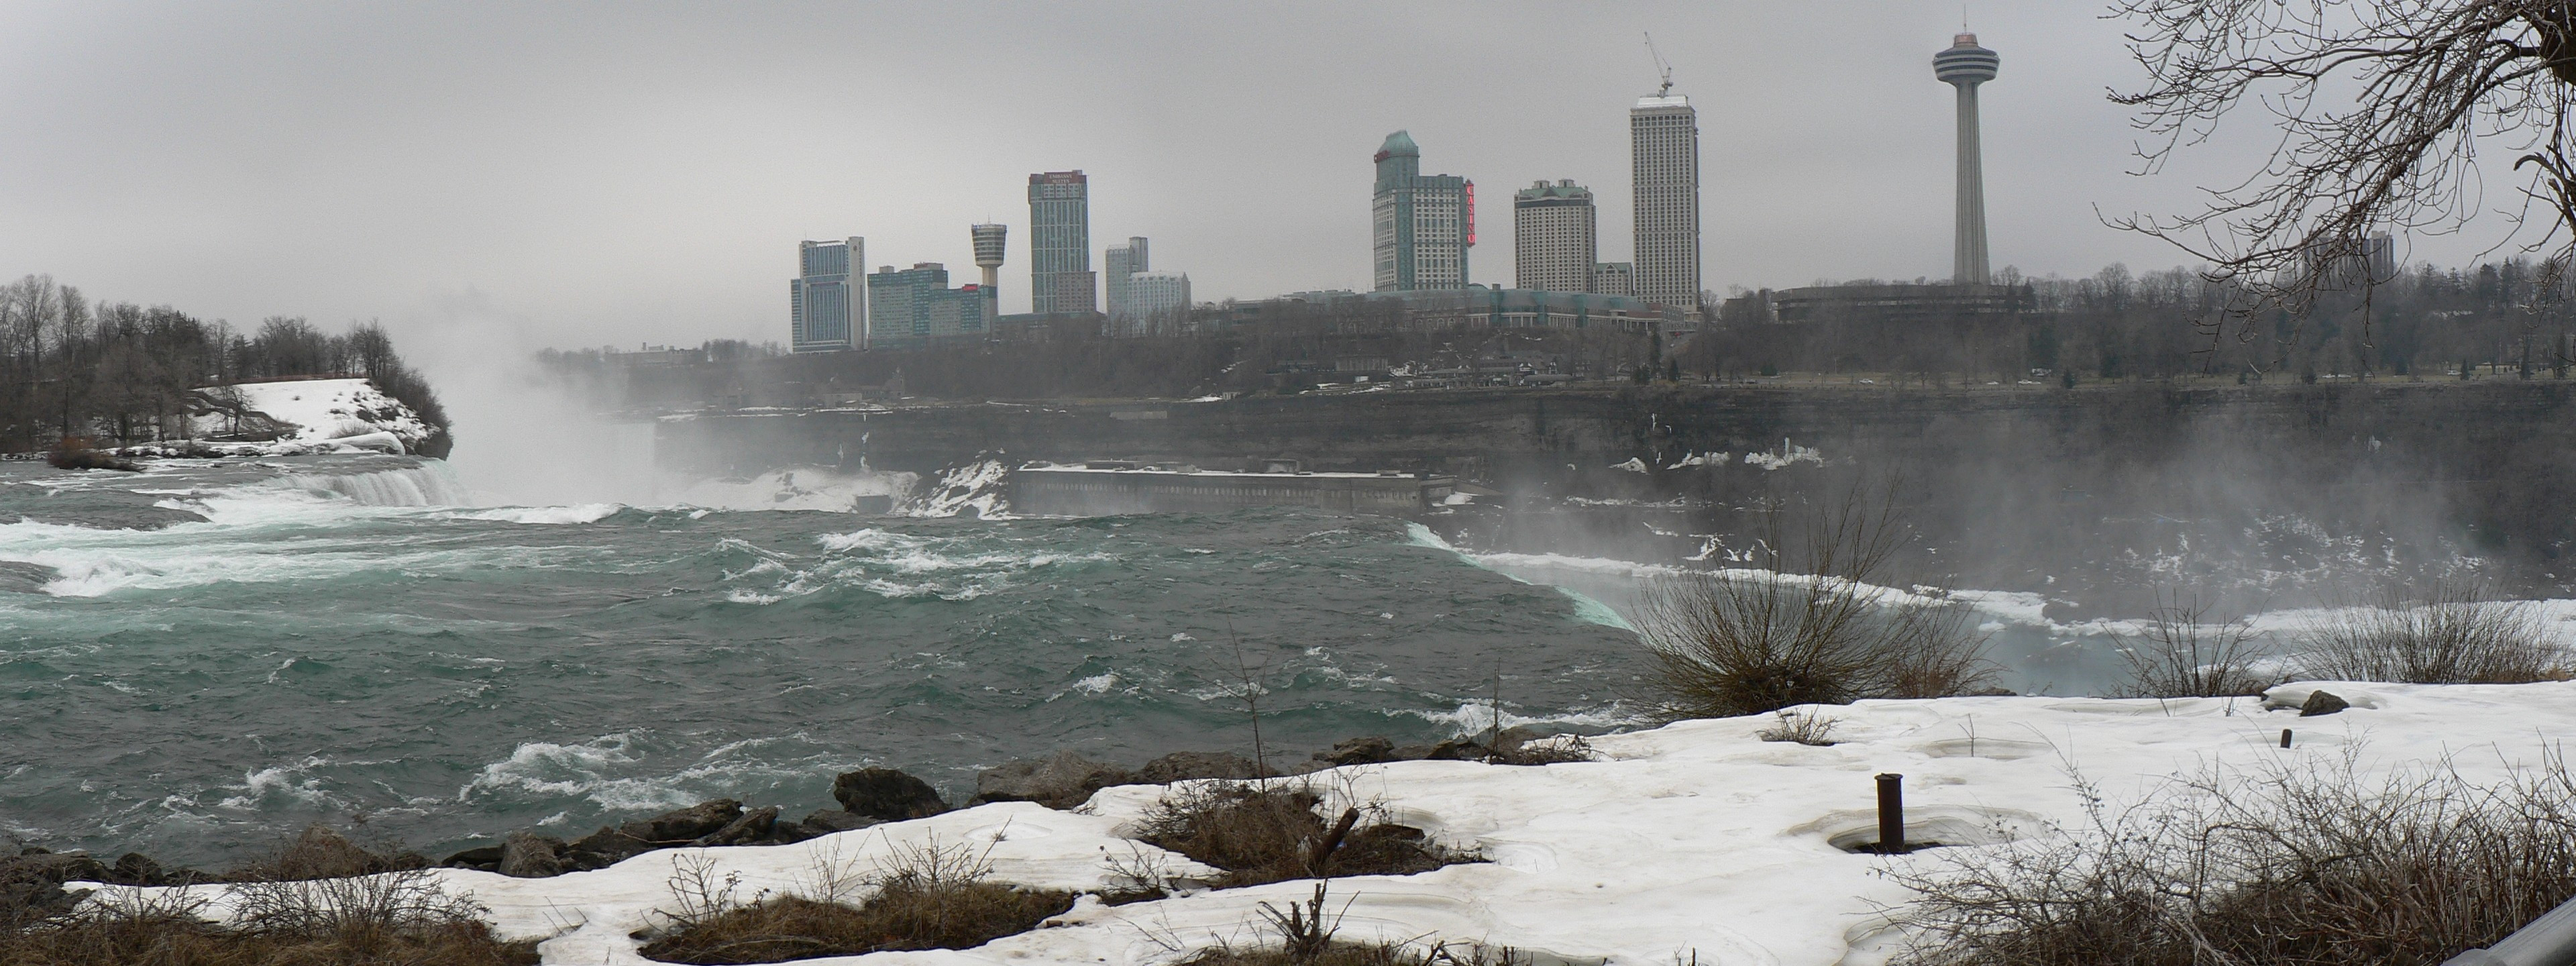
1188	765
682	826
830	820
486	858
887	794
1063	780
527	855
33	880
1370	750
751	827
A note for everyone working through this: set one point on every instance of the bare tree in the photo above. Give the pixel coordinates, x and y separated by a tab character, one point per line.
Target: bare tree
2383	108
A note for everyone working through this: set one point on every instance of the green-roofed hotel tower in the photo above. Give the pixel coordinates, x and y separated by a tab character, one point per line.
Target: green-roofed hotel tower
1424	224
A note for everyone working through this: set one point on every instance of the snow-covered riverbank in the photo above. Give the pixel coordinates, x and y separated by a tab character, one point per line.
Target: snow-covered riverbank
1698	837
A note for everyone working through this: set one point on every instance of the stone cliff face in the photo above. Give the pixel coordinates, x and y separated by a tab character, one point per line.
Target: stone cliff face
2264	486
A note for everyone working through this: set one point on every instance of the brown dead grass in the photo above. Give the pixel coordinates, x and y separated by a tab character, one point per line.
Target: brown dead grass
1263	832
900	916
1363	954
161	937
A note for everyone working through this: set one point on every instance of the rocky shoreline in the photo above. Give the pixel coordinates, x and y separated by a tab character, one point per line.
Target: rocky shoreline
31	883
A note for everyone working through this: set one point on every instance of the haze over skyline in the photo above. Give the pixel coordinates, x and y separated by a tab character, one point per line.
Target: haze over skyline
615	173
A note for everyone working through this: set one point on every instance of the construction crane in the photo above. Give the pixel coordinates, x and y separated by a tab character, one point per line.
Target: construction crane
1665	67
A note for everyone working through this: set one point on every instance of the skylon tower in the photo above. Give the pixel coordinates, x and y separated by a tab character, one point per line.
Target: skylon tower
1964	66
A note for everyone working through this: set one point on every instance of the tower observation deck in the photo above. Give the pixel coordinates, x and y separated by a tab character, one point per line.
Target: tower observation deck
1964	66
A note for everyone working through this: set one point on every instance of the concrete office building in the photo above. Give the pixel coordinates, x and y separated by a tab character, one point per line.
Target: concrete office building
1423	224
1663	143
823	313
1552	237
1964	66
1614	278
1122	261
1158	303
1060	277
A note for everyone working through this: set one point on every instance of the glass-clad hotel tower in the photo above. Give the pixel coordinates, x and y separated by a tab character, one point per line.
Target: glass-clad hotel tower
824	313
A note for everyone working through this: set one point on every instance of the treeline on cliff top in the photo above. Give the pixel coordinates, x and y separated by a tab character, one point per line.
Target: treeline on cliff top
2508	318
123	373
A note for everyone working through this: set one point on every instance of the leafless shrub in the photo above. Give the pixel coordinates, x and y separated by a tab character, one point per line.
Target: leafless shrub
2297	865
386	902
2179	654
1269	831
2456	633
1806	726
1140	875
930	896
1814	629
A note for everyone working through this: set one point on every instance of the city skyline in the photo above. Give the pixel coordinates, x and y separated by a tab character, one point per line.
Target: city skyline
336	163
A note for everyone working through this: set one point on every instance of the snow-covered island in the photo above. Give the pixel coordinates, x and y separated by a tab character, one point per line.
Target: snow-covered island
1699	840
295	416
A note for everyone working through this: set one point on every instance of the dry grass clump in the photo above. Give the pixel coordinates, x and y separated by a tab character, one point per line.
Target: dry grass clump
933	897
1806	727
402	919
1363	954
2180	655
1818	628
2456	633
1269	832
2298	866
1548	750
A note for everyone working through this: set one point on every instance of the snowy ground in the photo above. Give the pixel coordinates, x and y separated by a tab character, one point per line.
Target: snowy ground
1693	838
316	416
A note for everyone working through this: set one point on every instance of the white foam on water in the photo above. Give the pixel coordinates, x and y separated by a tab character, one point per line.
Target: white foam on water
1476	716
558	515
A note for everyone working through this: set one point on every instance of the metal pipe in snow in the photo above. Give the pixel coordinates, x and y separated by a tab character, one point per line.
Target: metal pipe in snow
1891	814
2547	941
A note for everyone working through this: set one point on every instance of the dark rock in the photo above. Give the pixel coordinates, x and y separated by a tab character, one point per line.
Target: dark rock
830	820
1371	750
527	855
320	853
1459	749
1064	780
685	825
752	827
607	847
135	869
32	883
2322	702
486	858
1188	765
884	793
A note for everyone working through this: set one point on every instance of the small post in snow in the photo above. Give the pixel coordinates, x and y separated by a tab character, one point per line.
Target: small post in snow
1891	814
2285	737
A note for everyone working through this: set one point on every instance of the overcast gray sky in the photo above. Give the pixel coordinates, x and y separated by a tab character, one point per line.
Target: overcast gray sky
569	174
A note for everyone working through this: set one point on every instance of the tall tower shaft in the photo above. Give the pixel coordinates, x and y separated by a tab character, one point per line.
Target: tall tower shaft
1964	66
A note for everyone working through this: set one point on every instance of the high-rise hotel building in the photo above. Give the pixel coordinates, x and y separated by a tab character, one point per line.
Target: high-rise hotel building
1663	139
1552	237
825	314
1060	277
1424	224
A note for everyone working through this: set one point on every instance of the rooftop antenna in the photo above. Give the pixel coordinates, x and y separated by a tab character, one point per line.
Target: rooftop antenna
1661	65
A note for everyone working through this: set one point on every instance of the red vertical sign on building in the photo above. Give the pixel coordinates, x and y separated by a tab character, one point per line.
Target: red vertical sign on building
1471	213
